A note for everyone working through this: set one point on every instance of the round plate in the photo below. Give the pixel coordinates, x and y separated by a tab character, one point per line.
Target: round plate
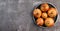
38	6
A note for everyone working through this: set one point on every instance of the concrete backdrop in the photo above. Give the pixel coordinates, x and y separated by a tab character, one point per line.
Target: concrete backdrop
15	15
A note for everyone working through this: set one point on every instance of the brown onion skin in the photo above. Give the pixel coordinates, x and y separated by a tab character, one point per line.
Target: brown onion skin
40	21
37	13
49	22
52	12
44	7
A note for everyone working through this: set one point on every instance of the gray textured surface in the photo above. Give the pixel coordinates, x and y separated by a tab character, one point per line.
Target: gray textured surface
15	15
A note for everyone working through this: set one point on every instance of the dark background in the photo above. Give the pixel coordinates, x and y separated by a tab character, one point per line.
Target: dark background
15	15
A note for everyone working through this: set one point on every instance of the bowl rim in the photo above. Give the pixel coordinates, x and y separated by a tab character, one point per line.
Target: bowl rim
36	5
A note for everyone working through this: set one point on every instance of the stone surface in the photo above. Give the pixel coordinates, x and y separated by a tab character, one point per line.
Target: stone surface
15	15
